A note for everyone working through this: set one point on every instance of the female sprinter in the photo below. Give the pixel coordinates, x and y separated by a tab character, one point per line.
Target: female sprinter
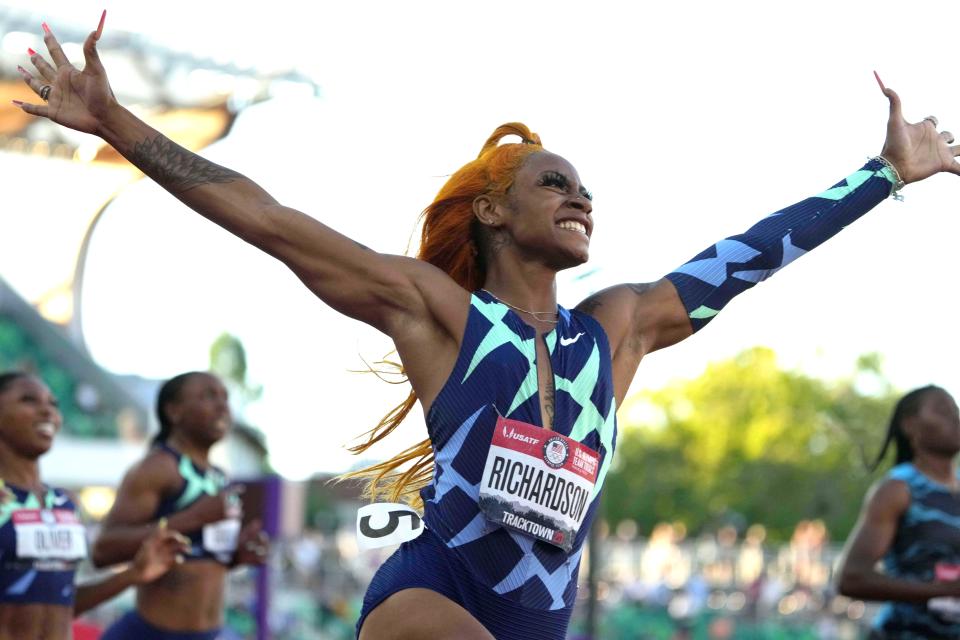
911	521
519	393
176	482
41	535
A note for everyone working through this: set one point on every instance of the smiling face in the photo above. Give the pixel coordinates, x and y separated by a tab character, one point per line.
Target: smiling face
29	417
200	409
546	214
935	427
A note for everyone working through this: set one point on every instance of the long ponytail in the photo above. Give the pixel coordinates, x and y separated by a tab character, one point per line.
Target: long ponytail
453	241
908	406
169	392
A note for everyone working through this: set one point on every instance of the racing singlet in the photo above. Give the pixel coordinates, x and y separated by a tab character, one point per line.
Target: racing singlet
41	544
926	548
514	501
218	540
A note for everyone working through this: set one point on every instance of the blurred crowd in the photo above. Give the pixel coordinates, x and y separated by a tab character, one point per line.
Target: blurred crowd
725	584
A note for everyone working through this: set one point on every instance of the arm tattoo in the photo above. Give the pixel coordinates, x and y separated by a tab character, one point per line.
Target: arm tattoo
548	403
591	304
176	168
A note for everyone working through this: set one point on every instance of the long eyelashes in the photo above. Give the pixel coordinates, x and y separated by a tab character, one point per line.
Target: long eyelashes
554	179
560	181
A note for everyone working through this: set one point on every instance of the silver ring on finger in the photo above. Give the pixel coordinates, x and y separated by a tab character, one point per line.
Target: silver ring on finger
933	120
45	92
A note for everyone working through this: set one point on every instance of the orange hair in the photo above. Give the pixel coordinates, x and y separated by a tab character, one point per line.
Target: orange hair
451	240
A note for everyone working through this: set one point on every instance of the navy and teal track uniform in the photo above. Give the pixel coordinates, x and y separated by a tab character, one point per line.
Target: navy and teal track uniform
197	483
514	585
33	580
928	534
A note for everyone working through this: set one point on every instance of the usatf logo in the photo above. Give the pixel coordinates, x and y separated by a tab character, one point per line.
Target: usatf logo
555	452
513	435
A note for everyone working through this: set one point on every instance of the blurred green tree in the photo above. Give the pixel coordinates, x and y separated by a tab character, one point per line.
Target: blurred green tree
749	442
228	359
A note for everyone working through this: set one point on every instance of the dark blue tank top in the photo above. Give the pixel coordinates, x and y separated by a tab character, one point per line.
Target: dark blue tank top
197	483
496	375
928	533
27	580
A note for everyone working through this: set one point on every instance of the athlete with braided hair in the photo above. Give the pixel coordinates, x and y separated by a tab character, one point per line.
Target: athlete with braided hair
911	521
519	394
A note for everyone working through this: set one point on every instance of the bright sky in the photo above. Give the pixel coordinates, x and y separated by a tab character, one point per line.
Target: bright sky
688	121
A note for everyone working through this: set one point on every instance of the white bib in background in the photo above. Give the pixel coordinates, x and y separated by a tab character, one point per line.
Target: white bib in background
49	534
221	537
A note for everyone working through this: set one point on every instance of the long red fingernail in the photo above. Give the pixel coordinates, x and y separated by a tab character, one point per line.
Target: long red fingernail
21	69
46	29
17	102
879	81
31	51
103	16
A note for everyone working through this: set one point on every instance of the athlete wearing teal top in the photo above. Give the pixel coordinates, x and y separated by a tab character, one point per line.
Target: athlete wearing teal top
176	481
42	537
199	482
911	522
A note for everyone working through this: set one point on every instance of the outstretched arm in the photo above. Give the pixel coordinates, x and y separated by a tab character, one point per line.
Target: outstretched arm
643	318
870	540
706	283
381	290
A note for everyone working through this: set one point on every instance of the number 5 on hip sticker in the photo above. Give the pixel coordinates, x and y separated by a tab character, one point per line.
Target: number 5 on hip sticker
385	523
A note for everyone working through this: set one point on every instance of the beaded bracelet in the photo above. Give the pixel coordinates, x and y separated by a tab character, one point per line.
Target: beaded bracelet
899	183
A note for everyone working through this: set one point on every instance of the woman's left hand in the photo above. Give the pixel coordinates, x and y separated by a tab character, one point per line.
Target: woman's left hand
917	150
253	545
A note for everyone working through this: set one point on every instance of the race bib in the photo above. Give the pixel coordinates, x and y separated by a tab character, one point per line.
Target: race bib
221	537
946	607
385	523
49	534
946	572
538	482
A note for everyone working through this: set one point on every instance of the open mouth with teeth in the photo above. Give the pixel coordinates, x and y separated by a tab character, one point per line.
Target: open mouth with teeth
573	225
47	429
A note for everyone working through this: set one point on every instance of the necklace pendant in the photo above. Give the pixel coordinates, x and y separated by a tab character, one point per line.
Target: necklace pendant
535	314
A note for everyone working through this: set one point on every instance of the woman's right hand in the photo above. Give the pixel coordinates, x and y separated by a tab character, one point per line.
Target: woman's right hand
77	99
